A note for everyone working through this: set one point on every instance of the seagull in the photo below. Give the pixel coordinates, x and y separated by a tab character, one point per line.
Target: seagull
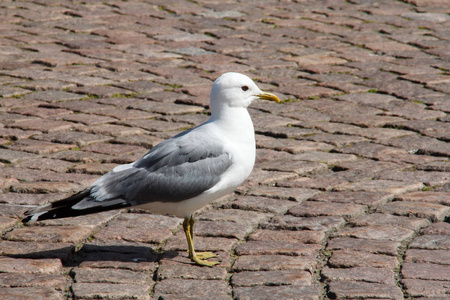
181	174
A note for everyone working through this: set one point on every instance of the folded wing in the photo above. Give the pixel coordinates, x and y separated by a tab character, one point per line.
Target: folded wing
175	170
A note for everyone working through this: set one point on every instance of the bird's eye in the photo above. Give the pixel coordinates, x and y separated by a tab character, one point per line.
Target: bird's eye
244	88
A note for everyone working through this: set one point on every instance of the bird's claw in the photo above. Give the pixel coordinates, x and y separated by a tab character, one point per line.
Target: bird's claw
200	259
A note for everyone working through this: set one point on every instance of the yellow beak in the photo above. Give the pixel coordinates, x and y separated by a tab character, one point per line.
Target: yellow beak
268	96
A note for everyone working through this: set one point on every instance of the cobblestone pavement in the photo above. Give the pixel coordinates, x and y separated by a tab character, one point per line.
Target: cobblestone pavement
349	198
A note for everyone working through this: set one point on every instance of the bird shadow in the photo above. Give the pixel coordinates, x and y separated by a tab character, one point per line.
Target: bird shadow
101	255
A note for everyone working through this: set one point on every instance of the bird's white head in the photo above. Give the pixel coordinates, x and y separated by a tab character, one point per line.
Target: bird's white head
236	90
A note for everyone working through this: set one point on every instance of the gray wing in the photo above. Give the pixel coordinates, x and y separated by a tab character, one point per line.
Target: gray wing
175	170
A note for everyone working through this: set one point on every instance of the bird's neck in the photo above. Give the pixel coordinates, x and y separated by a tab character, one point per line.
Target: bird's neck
234	119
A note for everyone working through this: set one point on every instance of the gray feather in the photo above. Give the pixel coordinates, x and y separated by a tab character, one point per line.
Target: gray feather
175	170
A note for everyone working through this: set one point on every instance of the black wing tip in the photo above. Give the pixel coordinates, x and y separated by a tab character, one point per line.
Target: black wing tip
67	212
26	219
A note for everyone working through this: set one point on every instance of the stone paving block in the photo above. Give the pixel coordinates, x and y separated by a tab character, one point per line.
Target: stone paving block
374	166
263	177
426	288
93	168
42	112
110	291
415	159
297	166
291	146
271	278
92	222
115	149
427	127
276	247
437	228
81	106
17	134
145	228
365	290
419	144
429	178
440	166
113	130
431	242
99	90
88	119
28	175
9	210
306	115
234	215
262	204
9	91
377	233
58	282
222	229
37	250
371	199
261	119
320	183
156	125
22	265
369	121
295	195
46	187
193	287
11	156
45	125
145	141
53	234
434	212
440	257
316	208
119	255
331	107
287	132
371	150
37	293
53	96
7	222
289	222
425	271
388	220
392	187
278	292
264	155
128	114
110	276
273	263
78	138
39	147
55	165
350	258
166	108
366	274
46	85
304	236
351	175
325	157
434	197
76	156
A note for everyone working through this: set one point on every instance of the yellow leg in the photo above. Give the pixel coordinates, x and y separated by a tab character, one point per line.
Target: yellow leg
198	258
